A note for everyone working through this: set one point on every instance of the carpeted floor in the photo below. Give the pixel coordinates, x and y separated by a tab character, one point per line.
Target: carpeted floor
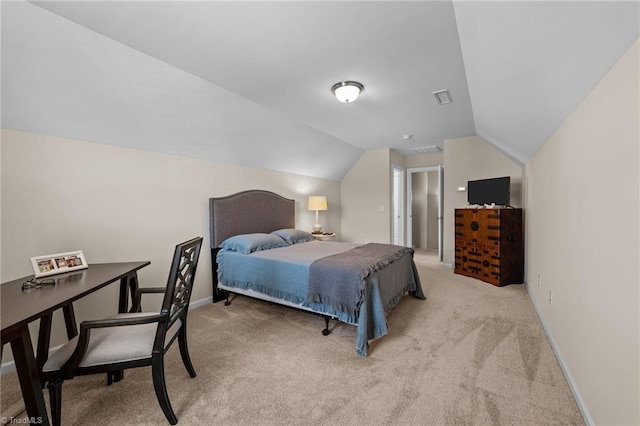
471	354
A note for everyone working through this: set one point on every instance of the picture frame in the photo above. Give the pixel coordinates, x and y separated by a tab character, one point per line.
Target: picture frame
59	263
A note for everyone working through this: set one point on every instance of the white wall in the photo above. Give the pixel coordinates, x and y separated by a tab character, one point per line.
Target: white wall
367	196
582	227
120	204
366	199
468	159
425	160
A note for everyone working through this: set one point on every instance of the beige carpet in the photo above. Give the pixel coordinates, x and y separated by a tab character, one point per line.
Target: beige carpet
471	354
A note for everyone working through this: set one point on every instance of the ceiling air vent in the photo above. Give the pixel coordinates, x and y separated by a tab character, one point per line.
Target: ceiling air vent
443	97
427	149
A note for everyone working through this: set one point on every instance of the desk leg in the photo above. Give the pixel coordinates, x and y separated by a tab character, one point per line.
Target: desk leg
124	295
70	321
44	333
44	338
128	284
133	287
29	377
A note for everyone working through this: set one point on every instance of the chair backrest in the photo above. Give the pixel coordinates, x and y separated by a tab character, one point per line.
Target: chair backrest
181	278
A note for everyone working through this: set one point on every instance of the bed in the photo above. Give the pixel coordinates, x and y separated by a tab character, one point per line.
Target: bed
257	252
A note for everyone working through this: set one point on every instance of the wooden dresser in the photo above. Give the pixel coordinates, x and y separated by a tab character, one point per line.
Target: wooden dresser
489	245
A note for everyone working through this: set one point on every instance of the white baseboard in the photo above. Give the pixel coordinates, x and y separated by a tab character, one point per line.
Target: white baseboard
10	366
7	367
572	385
201	302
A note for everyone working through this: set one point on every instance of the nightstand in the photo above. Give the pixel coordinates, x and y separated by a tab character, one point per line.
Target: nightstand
325	236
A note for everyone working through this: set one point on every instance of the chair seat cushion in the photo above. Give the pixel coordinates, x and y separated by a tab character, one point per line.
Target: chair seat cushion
111	345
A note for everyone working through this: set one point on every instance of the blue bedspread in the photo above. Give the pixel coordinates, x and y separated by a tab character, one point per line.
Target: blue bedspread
283	273
339	280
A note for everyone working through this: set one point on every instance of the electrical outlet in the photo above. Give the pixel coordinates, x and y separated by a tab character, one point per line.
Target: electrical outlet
539	280
550	298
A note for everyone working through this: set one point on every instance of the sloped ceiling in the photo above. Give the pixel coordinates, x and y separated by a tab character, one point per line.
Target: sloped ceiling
529	64
249	82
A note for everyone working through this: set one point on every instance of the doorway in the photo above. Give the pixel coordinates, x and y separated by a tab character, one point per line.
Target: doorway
424	217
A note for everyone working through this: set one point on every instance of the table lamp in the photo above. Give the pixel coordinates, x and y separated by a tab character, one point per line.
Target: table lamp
317	203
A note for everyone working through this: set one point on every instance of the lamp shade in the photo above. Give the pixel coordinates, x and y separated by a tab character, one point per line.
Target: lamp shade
317	202
347	91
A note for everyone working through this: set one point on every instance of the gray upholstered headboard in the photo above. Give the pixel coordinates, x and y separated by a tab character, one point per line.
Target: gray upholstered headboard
245	213
248	212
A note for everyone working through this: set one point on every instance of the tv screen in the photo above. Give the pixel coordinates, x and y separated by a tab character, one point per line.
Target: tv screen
489	191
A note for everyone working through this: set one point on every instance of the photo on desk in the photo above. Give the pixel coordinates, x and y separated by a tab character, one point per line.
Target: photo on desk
58	263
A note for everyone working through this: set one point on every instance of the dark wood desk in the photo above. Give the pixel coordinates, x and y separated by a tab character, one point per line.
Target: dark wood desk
20	307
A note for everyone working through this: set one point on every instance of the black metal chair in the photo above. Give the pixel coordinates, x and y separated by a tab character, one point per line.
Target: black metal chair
133	339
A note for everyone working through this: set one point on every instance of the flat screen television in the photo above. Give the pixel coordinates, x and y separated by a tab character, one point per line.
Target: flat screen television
489	191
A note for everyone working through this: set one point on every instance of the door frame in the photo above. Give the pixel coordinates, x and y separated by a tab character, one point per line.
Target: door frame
408	231
399	193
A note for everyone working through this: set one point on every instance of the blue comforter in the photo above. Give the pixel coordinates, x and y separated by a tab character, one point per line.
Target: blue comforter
283	273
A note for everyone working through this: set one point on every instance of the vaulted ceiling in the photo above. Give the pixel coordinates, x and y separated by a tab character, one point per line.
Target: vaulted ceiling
249	82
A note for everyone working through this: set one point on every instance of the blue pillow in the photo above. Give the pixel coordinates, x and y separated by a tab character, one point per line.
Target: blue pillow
248	243
293	236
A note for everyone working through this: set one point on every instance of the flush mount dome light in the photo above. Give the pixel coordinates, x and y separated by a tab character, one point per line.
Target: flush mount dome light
347	91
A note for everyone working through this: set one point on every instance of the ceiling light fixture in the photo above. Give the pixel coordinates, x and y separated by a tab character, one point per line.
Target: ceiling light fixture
347	91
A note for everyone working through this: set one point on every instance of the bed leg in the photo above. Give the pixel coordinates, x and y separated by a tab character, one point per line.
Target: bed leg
227	302
326	330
